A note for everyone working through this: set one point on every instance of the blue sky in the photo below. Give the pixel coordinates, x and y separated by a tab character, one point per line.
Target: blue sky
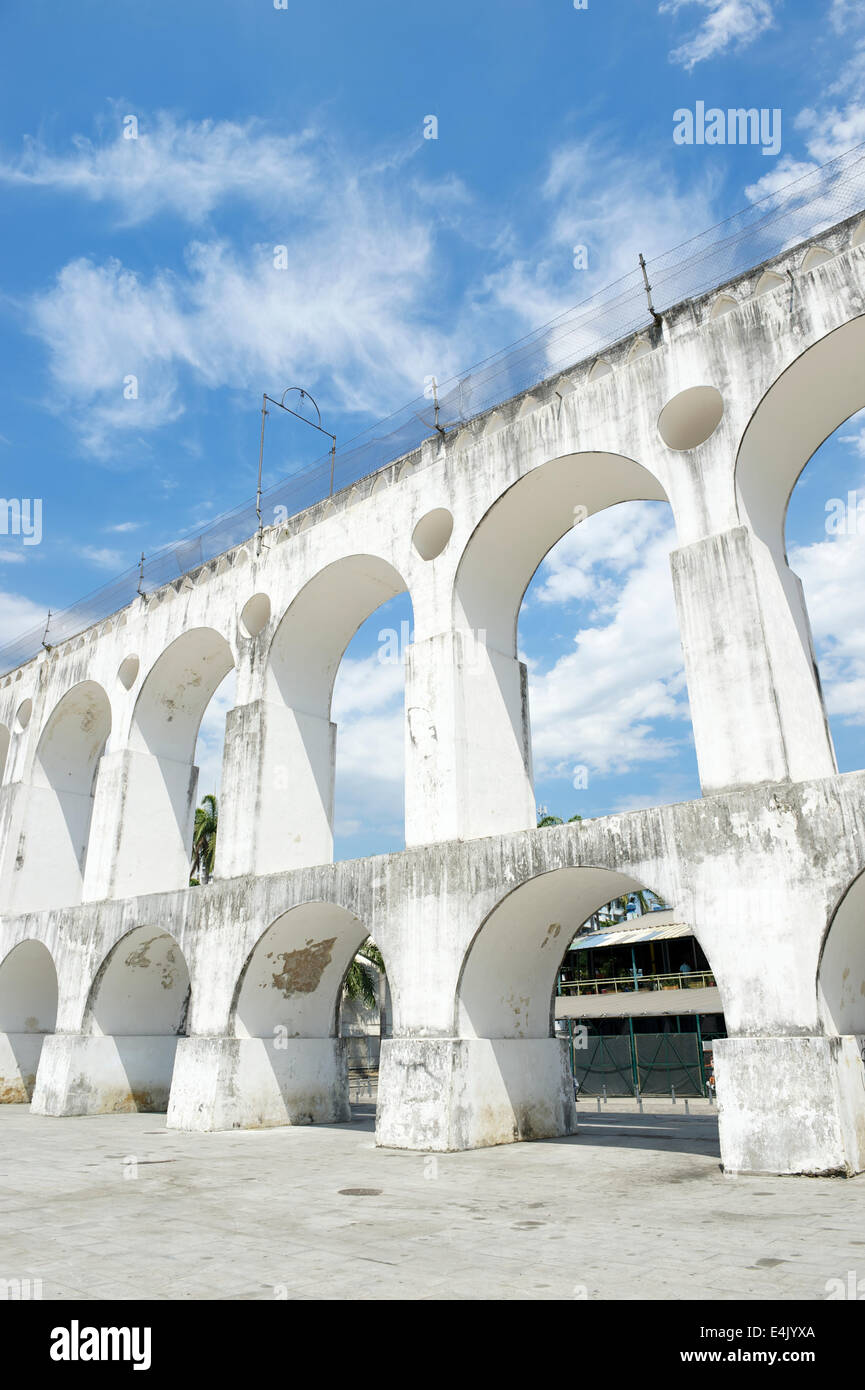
303	127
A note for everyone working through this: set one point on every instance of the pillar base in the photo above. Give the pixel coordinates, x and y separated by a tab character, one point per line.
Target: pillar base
251	1083
19	1062
791	1105
446	1094
83	1075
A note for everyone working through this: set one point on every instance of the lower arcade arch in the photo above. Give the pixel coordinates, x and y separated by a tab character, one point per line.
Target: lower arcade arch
285	1016
28	1011
513	1012
841	970
136	1011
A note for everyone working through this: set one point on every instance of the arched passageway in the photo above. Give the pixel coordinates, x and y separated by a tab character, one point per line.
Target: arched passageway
502	555
161	780
841	972
824	534
516	1065
295	807
53	847
28	1011
291	1063
815	395
136	1011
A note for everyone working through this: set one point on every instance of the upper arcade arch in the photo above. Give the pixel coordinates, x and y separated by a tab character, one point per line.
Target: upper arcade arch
151	786
176	692
525	522
53	847
281	750
819	390
315	630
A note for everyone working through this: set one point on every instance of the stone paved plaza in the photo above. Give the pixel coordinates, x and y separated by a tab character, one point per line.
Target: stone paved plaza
634	1206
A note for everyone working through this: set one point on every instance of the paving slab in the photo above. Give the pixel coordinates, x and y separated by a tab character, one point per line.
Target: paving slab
634	1206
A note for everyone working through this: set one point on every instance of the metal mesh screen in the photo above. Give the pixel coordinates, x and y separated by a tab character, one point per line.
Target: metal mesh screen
662	1061
810	204
605	1062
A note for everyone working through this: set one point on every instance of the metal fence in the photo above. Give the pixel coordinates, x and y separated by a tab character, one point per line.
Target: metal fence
641	1064
810	204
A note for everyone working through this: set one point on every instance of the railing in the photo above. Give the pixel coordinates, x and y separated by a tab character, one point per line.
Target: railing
627	984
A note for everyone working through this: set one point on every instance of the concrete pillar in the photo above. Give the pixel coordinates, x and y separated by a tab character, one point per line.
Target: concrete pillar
141	833
446	1094
791	1104
84	1074
756	704
276	806
255	1083
468	746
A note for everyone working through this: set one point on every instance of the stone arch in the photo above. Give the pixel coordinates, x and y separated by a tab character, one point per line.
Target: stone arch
28	1011
841	968
176	692
137	1008
515	1072
318	625
161	780
811	398
294	815
494	571
285	1018
53	848
509	972
525	522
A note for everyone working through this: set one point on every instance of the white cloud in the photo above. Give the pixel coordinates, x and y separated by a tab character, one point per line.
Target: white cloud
596	196
597	706
356	312
184	168
368	709
833	576
124	526
18	614
102	557
725	23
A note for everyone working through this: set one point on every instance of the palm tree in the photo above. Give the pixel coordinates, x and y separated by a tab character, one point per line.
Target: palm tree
204	839
360	981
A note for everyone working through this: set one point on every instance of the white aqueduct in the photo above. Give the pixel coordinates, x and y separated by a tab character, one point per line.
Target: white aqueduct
121	988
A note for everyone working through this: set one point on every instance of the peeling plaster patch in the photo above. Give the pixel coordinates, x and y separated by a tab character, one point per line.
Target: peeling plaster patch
302	970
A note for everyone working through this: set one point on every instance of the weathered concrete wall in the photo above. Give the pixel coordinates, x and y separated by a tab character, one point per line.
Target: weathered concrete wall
714	412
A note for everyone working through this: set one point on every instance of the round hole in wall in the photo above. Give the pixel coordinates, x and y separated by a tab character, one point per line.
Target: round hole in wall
255	615
24	711
128	671
432	533
689	418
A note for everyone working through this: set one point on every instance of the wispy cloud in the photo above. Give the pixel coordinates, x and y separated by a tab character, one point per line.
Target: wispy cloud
725	24
186	168
102	557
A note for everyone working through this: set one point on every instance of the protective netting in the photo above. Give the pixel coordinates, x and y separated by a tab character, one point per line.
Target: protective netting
663	1061
815	201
